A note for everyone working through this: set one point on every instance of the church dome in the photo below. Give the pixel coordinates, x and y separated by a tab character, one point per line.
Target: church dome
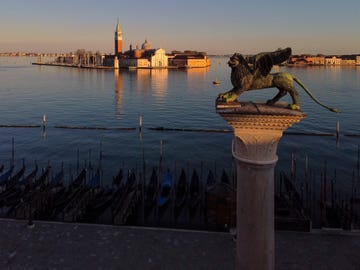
146	45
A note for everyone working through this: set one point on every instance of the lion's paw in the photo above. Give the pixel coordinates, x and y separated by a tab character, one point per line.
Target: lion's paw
227	97
295	107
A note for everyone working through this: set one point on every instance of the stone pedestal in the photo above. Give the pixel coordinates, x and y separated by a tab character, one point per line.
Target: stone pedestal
258	129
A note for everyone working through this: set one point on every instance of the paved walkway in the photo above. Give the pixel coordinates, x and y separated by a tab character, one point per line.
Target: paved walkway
51	245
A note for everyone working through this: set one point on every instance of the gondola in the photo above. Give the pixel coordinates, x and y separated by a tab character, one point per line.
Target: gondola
220	200
15	178
80	179
6	175
124	206
98	204
44	177
210	180
165	192
11	193
64	199
194	193
151	193
117	180
21	195
94	181
74	210
181	193
225	178
58	179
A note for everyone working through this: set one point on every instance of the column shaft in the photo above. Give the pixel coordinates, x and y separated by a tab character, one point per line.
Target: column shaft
255	216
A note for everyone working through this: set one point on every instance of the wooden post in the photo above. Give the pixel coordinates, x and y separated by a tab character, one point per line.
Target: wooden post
12	152
44	121
140	123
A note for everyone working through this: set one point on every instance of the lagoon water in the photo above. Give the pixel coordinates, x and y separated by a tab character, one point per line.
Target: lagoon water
166	98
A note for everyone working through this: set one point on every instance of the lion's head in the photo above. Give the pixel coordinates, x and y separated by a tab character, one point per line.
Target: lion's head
235	60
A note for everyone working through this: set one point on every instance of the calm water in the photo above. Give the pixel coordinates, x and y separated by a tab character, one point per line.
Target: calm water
168	98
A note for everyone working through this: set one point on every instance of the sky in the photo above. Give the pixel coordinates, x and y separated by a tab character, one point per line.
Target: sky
213	26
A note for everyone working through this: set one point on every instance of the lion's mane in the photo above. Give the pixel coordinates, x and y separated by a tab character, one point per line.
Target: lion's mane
240	70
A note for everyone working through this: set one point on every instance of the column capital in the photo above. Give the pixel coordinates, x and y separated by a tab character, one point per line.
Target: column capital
257	128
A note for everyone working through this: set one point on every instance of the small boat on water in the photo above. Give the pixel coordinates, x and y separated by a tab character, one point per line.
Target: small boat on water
216	82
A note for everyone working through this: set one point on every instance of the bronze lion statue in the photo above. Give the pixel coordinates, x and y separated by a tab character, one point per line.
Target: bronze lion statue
244	78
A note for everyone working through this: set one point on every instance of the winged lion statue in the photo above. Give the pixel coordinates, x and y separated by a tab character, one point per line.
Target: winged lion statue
245	78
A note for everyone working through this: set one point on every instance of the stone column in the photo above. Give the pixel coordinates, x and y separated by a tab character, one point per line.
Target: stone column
257	129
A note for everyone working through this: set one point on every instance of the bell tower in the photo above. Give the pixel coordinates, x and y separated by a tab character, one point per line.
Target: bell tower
118	39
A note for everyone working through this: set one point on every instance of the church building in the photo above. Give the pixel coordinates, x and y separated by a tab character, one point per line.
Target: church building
147	57
144	57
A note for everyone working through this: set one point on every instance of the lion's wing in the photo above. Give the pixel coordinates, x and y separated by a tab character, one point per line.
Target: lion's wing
265	61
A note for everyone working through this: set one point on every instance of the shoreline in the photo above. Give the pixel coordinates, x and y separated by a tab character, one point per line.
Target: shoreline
110	68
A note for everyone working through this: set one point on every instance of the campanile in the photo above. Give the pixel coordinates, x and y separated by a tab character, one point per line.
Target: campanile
118	39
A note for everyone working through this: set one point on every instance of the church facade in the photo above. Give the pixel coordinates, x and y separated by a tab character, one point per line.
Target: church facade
146	57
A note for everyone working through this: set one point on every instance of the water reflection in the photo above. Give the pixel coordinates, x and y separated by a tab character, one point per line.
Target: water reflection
119	91
143	80
159	83
191	72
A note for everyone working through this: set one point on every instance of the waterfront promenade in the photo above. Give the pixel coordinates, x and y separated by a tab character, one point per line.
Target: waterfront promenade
51	245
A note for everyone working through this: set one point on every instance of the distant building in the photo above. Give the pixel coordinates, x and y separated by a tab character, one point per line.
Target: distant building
348	60
357	61
332	60
315	60
189	59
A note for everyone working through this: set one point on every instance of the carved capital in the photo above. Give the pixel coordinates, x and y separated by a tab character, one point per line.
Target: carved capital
256	146
258	129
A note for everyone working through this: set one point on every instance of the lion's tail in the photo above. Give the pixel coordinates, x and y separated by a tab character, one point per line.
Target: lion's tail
313	97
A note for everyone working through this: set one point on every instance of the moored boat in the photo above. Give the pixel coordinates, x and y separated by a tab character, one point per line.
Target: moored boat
151	192
6	175
194	193
181	193
220	199
165	192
